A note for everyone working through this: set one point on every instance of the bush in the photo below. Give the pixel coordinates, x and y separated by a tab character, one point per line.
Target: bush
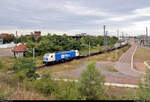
45	85
91	83
67	91
24	63
20	76
25	68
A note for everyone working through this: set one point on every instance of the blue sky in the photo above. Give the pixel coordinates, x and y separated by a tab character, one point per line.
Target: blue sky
75	16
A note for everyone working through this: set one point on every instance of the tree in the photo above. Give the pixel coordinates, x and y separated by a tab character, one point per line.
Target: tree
46	85
22	39
31	37
144	87
83	41
112	40
73	45
9	38
91	83
99	40
67	91
25	68
31	44
47	46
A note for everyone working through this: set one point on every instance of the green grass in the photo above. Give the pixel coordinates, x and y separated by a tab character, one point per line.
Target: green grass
142	54
92	50
7	63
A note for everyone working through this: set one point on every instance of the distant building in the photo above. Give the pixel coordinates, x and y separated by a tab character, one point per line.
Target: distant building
20	50
4	34
6	38
82	34
78	36
37	34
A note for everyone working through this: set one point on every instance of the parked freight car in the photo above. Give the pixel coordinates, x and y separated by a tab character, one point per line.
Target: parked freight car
54	57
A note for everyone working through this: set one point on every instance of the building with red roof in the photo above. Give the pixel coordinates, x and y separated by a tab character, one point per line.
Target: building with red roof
20	50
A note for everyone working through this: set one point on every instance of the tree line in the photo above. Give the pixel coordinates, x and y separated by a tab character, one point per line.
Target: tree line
8	39
53	43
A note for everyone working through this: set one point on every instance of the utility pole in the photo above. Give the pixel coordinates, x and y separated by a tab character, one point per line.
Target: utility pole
16	37
118	35
105	37
33	53
146	31
146	35
122	36
21	38
89	48
116	54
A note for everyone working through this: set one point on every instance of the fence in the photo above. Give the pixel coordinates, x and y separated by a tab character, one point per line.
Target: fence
11	45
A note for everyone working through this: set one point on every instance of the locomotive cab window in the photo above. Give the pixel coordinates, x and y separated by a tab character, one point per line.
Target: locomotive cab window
52	56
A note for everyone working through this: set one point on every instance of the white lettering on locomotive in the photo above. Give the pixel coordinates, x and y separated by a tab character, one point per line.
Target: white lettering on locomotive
66	55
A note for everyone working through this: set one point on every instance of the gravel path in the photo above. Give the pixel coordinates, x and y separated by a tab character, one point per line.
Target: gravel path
6	52
124	65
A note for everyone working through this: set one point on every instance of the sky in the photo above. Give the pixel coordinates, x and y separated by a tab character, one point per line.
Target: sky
130	17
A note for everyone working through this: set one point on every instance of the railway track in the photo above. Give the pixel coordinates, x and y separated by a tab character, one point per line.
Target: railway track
82	56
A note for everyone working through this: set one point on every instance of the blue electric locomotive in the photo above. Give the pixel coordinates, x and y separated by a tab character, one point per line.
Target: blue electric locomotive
53	57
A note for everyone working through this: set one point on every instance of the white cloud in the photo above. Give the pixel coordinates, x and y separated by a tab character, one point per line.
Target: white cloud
134	14
123	18
82	10
142	11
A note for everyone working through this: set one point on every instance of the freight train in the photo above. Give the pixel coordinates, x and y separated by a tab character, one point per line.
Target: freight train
67	55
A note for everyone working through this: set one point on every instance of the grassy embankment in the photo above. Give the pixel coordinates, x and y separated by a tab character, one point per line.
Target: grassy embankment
141	55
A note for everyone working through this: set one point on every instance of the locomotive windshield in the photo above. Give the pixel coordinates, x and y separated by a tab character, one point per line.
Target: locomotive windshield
46	55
